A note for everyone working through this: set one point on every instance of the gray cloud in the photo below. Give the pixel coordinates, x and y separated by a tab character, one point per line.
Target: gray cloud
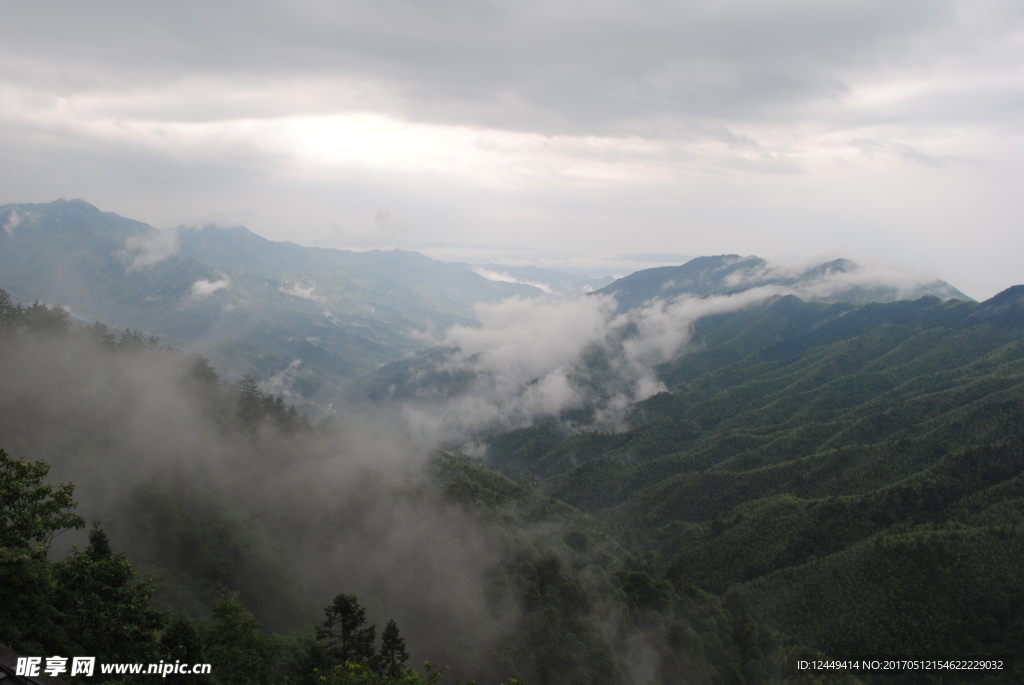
612	68
577	129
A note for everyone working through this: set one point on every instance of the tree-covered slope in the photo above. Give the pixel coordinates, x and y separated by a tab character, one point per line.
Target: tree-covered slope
302	318
837	281
845	472
233	503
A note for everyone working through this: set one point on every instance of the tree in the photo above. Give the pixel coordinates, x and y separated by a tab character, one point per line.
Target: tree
99	333
392	658
132	341
46	320
30	623
10	314
343	631
237	649
200	370
182	641
251	412
31	512
106	610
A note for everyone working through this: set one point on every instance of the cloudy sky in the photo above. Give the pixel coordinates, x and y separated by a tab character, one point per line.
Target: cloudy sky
559	133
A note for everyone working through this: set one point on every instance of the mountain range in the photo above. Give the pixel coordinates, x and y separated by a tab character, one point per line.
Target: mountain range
840	280
309	315
807	473
304	320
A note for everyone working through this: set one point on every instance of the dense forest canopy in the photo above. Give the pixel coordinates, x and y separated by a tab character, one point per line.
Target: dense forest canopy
853	477
820	479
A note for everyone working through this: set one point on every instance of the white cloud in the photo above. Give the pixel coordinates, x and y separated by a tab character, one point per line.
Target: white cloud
205	288
12	222
149	248
306	292
538	357
502	277
281	383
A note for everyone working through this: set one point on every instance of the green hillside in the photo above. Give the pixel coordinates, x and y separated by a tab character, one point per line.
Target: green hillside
820	479
239	521
852	476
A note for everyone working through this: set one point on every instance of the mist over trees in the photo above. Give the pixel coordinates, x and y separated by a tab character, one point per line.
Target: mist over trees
802	449
221	494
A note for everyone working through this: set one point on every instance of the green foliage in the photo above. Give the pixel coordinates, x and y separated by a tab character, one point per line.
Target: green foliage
845	471
591	610
106	610
392	658
347	642
237	649
31	511
37	321
89	603
206	550
343	631
351	673
30	622
801	450
182	640
31	514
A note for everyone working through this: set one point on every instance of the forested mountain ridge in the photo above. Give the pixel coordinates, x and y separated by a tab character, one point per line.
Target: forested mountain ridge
230	501
839	280
313	316
305	321
853	476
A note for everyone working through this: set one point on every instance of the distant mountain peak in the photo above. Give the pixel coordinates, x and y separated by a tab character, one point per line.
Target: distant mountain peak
839	280
1012	295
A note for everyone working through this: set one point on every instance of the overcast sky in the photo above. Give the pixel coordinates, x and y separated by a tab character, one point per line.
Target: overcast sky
560	133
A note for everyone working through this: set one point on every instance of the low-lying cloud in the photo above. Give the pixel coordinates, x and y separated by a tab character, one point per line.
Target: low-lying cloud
149	248
543	356
302	291
811	280
12	222
205	288
503	277
305	515
531	358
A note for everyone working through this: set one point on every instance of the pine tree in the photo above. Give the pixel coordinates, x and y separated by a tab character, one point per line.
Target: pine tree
343	631
392	658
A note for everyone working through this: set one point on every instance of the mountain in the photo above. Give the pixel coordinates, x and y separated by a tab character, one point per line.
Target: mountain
852	476
302	319
221	501
837	281
599	352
